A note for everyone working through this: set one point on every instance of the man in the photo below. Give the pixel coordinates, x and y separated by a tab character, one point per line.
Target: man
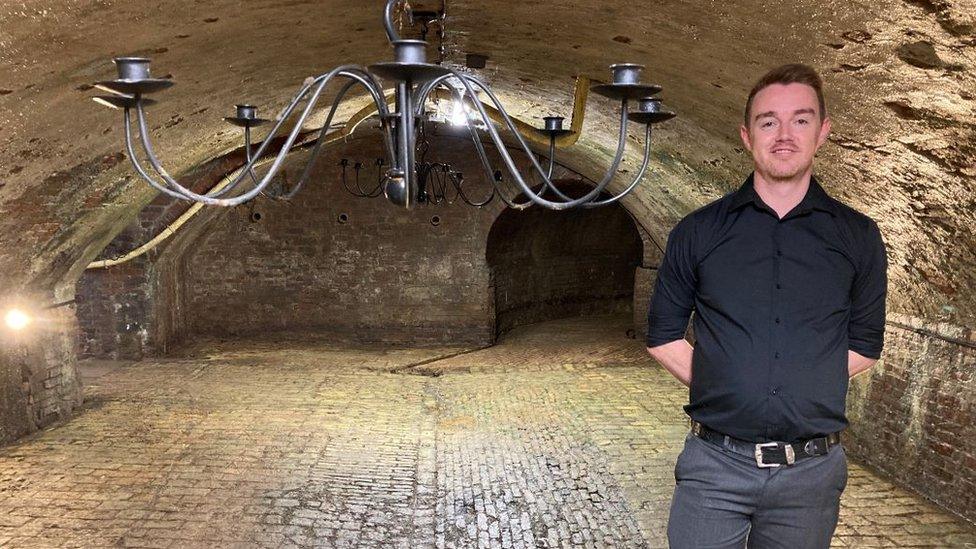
788	287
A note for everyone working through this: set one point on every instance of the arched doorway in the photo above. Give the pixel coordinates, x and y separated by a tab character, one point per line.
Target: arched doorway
548	264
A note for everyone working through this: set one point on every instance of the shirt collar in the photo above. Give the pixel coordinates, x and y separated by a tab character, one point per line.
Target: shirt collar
815	198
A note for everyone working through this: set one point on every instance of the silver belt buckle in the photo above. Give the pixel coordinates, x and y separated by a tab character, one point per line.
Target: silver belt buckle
790	455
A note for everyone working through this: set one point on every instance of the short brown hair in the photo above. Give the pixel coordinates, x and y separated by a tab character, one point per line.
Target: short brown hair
794	73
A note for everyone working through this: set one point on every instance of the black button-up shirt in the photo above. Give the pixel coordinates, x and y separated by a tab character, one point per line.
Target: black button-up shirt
778	303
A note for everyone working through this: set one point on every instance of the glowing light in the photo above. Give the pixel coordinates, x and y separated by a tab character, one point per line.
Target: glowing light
459	114
16	319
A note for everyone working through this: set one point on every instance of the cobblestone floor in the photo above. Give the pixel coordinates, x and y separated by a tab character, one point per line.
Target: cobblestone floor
563	435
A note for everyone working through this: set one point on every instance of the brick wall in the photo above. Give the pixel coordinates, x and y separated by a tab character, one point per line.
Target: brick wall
381	274
913	415
169	294
384	274
115	305
38	381
112	309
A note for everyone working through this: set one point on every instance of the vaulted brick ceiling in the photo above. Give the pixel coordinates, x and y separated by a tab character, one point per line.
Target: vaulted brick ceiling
900	79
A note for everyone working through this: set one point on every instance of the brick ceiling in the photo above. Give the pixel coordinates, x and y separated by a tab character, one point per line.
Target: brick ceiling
899	74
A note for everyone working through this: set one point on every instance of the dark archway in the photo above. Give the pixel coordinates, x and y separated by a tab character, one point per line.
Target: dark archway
555	264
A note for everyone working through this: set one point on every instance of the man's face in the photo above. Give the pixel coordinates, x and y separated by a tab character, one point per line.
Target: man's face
784	130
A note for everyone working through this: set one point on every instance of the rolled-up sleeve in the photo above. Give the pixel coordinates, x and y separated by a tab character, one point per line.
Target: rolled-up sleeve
866	330
674	291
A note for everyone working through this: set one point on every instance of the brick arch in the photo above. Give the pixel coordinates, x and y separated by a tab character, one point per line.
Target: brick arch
190	285
548	264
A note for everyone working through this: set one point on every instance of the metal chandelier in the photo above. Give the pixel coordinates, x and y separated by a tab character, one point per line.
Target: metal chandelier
413	81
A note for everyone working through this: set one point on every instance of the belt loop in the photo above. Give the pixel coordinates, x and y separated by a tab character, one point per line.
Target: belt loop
726	444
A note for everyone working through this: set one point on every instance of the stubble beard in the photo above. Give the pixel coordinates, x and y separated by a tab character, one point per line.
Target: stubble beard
784	171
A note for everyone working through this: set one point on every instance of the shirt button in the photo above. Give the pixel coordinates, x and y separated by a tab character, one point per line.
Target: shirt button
772	392
779	286
777	321
776	355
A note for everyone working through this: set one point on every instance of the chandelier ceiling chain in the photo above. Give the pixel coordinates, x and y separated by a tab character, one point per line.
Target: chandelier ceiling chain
413	81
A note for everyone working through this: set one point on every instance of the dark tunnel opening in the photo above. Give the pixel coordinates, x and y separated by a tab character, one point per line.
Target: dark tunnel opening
547	265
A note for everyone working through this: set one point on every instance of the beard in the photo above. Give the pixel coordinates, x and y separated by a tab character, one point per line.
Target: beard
784	170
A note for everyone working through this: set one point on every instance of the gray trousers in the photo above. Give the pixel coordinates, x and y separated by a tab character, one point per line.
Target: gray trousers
723	500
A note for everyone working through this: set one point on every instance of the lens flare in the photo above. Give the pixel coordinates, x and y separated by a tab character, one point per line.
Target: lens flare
16	319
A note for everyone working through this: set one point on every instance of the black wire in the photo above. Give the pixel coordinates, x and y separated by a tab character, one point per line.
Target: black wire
439	181
360	191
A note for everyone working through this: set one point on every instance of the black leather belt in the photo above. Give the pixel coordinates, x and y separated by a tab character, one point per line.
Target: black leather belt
768	454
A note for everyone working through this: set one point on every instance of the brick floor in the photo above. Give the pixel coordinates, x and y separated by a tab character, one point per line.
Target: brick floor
563	435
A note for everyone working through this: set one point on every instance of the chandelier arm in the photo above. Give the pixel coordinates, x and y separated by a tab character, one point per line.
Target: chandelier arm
424	91
621	144
637	178
250	171
482	155
552	156
151	157
248	157
356	75
510	164
372	86
174	191
478	144
490	175
376	91
552	162
318	142
548	174
485	162
126	118
322	82
253	159
499	145
250	161
210	199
